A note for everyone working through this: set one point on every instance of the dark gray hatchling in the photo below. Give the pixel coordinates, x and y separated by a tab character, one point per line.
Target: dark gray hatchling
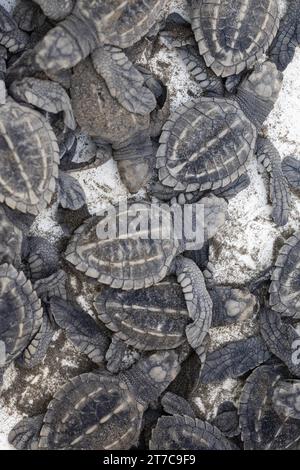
103	29
282	339
183	431
285	285
99	411
207	143
142	256
156	318
232	36
262	428
20	313
101	116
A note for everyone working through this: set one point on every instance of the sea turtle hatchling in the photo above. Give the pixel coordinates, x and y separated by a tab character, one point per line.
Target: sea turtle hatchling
99	411
135	259
103	29
262	428
207	143
101	116
285	285
234	35
183	431
20	313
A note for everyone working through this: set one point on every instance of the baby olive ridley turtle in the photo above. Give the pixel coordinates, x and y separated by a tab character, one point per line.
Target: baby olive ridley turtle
207	143
285	286
262	427
183	431
138	259
103	29
233	35
97	411
102	117
20	313
29	158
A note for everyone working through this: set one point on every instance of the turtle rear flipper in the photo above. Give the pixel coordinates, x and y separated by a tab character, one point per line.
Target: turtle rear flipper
25	435
81	329
123	80
38	347
231	190
46	95
279	191
120	356
198	301
288	37
70	193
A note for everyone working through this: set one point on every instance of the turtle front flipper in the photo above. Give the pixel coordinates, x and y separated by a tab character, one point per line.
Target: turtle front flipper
288	37
46	95
175	405
70	193
120	356
38	347
25	435
81	329
123	80
198	301
279	191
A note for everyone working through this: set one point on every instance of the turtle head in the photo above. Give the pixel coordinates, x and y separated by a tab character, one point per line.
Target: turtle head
150	377
259	91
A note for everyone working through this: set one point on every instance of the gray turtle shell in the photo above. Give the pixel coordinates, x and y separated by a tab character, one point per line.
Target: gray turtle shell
285	286
127	262
185	433
29	158
261	426
92	412
233	35
10	240
20	313
205	145
118	23
147	319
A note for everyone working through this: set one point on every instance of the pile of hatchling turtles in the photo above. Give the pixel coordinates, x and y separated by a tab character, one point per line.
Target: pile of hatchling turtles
69	67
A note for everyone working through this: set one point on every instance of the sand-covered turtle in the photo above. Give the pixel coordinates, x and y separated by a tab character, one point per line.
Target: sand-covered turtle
183	431
134	253
99	411
234	35
287	39
20	313
207	143
101	116
103	29
285	286
262	428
